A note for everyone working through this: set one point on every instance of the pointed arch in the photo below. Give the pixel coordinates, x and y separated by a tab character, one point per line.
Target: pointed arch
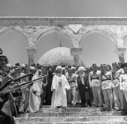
9	29
97	48
101	31
14	46
53	31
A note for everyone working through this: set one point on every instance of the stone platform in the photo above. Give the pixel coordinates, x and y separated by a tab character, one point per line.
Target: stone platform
72	115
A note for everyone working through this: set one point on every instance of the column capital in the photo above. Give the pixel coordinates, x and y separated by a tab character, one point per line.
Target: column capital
120	51
31	51
75	51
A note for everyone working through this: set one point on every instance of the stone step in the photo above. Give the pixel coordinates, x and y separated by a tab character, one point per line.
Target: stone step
87	119
65	113
75	123
72	114
70	106
69	109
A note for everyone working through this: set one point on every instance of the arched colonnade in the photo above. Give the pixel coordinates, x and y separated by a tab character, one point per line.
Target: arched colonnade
75	29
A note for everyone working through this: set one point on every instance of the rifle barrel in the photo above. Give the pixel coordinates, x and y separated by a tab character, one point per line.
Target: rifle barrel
19	86
22	77
10	80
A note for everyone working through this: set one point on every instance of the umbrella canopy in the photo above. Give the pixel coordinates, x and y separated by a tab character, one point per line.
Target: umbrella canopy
57	56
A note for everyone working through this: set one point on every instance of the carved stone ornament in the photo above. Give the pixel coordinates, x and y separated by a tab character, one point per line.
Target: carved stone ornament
75	36
75	27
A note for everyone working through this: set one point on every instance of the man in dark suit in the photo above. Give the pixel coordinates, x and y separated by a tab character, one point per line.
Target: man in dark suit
49	84
83	87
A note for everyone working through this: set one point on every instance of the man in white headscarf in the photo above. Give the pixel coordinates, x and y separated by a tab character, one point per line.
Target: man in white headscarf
35	93
59	87
25	92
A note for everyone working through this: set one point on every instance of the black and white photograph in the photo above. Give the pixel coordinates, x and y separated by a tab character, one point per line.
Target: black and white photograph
63	62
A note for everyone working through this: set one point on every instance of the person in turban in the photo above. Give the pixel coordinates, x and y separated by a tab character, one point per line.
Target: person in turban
59	87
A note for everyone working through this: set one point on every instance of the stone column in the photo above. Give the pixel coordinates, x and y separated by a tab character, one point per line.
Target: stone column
31	52
120	52
75	52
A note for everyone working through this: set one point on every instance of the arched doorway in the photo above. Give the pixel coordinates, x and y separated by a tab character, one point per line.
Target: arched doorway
14	46
49	42
97	48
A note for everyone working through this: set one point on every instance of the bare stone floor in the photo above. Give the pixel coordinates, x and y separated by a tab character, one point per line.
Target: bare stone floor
72	115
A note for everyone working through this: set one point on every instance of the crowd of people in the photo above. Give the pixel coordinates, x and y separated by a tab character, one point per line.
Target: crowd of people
101	86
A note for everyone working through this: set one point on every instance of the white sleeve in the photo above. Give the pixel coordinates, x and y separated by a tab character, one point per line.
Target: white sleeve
120	81
90	78
98	72
22	74
54	82
66	84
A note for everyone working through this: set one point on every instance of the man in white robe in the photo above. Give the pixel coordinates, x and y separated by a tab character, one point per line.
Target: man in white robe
59	87
35	93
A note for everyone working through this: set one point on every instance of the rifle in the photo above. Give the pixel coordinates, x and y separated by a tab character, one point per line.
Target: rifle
20	86
10	80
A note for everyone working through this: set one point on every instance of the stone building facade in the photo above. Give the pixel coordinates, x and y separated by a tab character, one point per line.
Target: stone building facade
75	29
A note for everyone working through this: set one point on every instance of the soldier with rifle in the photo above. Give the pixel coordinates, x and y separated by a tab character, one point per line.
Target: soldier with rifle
6	96
4	118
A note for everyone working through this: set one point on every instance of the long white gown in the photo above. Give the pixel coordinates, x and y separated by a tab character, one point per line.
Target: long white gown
59	97
35	99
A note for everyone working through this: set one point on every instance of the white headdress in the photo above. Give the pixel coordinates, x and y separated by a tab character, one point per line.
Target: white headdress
58	68
81	69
